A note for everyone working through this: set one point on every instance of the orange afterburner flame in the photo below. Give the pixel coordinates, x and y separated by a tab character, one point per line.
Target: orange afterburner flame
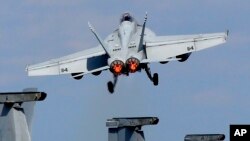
117	67
132	64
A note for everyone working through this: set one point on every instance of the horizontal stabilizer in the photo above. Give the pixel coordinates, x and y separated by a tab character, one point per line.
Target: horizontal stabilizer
205	137
17	97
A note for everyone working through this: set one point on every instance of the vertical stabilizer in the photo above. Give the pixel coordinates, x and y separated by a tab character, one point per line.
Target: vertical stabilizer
141	43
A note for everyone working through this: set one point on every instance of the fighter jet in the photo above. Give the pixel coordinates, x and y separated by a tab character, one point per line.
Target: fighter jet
128	49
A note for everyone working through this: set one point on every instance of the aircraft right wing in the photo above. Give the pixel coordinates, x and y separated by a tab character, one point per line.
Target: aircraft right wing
165	48
87	61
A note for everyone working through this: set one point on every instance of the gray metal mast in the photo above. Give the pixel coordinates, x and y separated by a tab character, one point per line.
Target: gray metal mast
128	129
16	112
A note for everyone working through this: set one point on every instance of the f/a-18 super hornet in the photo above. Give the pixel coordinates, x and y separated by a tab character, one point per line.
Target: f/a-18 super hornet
129	49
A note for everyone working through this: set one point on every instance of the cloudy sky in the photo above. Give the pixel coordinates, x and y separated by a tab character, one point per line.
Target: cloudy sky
203	95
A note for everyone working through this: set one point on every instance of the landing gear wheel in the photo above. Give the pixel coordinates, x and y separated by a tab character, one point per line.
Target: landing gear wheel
110	87
155	79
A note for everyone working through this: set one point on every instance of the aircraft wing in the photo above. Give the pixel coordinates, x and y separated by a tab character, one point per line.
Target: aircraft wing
87	61
164	48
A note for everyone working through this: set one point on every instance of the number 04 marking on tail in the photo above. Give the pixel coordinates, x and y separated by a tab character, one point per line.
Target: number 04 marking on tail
64	69
190	48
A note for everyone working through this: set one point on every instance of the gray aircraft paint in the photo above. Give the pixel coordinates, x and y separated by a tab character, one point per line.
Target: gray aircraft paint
129	49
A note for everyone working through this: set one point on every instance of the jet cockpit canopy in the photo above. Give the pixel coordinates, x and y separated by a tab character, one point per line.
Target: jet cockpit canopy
126	17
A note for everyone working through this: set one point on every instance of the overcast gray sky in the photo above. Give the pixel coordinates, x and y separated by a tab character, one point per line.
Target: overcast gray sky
203	95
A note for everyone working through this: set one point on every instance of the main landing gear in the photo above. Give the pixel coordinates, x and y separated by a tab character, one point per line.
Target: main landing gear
111	85
154	78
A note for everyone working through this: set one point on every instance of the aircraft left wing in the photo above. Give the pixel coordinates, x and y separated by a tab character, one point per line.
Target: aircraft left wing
165	48
87	61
